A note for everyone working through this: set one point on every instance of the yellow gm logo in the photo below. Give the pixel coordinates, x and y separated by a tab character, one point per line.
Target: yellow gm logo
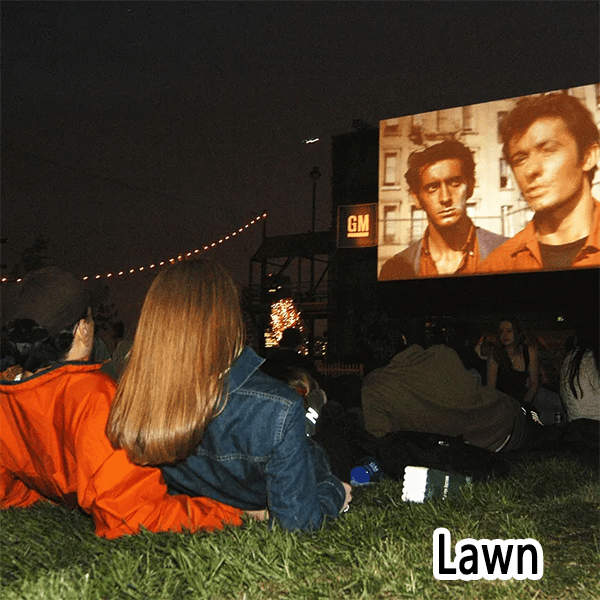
358	226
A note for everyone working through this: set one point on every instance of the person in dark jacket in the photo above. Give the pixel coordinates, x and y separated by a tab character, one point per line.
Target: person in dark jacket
430	391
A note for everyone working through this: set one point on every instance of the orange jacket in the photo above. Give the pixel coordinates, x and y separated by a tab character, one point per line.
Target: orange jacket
53	446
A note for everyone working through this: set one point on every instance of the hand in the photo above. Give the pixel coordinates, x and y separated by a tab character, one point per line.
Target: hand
258	515
348	489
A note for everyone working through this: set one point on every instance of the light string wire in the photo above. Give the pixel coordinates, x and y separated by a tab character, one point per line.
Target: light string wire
170	261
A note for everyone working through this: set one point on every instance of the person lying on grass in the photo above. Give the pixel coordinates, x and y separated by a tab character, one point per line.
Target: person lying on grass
193	399
54	407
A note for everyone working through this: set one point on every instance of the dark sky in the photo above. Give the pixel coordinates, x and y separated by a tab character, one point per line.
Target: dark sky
134	131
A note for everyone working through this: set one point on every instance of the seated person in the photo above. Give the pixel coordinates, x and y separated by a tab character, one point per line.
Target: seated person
314	397
513	364
288	355
430	391
53	413
580	386
238	435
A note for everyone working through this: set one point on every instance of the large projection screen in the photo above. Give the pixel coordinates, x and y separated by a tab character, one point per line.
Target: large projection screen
496	205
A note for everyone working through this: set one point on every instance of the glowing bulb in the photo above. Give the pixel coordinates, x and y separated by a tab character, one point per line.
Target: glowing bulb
181	256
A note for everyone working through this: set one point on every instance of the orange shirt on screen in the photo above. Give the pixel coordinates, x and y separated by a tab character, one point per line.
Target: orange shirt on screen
522	252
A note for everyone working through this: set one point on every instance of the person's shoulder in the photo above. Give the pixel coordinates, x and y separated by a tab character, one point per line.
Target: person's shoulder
497	259
263	399
488	239
516	240
264	386
404	357
443	352
400	266
91	377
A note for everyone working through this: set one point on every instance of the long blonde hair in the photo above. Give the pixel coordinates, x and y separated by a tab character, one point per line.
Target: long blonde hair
189	333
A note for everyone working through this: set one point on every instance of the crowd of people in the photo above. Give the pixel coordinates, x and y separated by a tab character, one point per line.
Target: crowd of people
200	430
186	427
193	436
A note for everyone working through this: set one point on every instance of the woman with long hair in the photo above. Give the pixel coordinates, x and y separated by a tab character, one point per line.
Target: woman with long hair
512	366
54	407
193	400
580	382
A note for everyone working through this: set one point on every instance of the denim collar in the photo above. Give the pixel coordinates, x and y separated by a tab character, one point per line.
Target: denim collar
243	368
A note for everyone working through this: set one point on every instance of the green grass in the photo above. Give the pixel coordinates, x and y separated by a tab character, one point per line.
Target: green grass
382	548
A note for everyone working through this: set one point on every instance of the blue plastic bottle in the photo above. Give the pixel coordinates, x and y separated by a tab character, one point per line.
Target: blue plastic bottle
367	471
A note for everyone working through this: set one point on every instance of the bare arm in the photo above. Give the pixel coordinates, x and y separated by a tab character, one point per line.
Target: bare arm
533	381
492	372
348	499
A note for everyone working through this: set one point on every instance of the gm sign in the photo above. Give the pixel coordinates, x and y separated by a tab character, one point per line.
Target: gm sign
357	226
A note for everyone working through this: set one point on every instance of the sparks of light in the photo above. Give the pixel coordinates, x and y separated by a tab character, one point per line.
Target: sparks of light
311	140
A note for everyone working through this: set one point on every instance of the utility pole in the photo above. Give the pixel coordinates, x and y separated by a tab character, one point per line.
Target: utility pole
315	174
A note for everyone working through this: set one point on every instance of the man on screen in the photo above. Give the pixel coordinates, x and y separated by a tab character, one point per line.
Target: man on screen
441	179
552	145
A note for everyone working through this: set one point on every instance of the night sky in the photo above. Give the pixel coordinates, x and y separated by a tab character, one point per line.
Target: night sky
134	131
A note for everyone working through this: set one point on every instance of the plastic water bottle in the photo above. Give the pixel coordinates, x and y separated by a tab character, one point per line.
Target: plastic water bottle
366	472
421	484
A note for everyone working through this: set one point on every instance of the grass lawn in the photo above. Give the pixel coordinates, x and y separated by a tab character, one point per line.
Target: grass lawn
381	548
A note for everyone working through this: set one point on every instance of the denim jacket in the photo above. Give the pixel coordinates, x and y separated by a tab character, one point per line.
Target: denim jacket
255	454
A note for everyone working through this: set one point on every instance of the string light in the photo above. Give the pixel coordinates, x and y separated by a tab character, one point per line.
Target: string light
164	262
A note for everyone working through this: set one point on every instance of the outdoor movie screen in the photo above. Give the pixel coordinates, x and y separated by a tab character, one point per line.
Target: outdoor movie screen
499	187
